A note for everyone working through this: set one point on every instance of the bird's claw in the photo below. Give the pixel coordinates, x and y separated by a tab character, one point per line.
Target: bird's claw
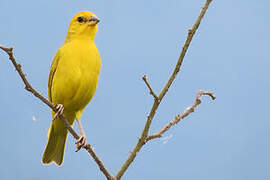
81	142
60	110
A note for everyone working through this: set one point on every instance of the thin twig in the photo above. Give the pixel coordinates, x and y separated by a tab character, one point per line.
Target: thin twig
29	88
179	117
155	105
151	91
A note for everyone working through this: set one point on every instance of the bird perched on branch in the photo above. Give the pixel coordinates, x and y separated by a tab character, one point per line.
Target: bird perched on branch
72	82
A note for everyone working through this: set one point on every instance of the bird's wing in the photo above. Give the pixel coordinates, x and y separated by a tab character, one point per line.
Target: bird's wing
52	72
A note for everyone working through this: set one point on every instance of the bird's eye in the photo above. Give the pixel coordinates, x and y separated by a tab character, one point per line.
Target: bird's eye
80	19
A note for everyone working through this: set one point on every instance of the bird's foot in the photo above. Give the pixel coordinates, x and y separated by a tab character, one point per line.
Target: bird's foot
81	142
60	110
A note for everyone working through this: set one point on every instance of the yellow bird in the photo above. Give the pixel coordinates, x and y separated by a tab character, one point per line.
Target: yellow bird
72	82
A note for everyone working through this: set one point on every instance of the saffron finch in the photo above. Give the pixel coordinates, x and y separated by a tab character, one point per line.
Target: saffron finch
72	82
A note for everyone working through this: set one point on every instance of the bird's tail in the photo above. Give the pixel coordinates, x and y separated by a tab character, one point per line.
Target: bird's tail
55	148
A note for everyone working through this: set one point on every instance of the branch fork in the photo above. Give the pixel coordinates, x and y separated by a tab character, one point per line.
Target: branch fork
179	117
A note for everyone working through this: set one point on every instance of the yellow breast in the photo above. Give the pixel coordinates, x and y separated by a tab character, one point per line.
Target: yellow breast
76	76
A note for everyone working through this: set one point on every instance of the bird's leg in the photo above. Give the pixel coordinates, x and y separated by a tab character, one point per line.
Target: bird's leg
81	142
60	110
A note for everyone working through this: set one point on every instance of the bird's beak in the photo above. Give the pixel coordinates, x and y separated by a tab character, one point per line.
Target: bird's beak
93	20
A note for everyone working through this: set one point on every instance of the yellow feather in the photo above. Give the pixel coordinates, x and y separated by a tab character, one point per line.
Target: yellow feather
73	80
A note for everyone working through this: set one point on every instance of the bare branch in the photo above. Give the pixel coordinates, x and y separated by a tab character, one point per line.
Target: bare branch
191	33
151	91
155	105
179	117
29	88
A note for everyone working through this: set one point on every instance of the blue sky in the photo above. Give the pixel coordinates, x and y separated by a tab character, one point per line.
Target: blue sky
224	139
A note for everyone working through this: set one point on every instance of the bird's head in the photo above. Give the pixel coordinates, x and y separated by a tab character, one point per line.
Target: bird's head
83	25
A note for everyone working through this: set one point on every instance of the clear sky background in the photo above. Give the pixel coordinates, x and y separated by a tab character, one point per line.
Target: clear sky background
229	55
